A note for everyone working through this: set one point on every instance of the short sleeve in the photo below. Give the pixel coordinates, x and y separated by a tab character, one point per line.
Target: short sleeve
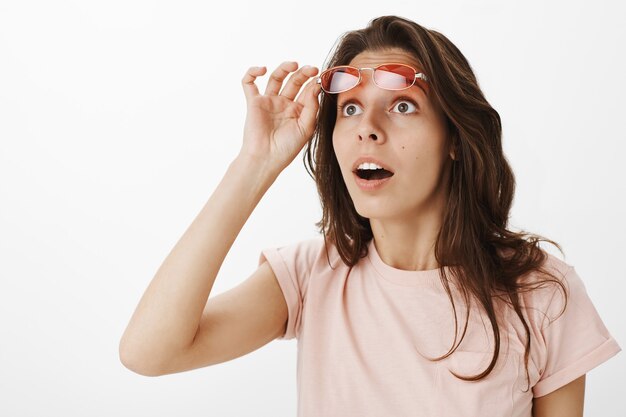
292	266
573	342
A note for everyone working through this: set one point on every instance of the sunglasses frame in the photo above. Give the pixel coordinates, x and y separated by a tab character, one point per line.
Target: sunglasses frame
418	75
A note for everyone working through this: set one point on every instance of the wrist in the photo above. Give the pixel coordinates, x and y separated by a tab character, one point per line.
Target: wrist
259	170
258	167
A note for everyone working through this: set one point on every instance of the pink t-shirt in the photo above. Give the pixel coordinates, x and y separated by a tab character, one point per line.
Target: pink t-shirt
364	337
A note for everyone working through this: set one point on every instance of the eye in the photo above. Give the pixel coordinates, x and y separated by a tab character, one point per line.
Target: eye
404	106
349	107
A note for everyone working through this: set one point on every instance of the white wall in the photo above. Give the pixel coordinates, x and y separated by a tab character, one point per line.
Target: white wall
118	119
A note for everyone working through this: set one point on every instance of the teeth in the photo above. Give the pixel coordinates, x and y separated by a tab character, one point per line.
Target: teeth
369	165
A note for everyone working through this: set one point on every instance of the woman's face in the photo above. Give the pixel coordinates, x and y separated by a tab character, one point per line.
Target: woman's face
403	131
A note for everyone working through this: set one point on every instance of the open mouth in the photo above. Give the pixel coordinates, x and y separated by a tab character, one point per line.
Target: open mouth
373	174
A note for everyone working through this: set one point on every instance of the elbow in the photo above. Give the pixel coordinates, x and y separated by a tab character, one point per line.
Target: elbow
136	362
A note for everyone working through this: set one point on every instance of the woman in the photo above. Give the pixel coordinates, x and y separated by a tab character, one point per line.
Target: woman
418	300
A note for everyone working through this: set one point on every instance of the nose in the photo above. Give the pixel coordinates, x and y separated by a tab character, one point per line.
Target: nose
369	126
370	120
372	135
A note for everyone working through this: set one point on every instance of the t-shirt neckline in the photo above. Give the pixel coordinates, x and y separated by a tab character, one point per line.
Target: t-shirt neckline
402	276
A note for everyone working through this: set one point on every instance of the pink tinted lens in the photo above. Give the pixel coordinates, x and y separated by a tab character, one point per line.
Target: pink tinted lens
394	76
339	79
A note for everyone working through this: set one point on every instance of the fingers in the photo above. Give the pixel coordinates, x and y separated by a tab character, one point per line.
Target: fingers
292	87
249	87
277	77
310	104
296	80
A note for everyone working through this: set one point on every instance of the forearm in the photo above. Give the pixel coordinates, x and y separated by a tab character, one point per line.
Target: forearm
167	316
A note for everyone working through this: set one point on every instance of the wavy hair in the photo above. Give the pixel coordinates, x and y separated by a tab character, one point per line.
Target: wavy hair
480	189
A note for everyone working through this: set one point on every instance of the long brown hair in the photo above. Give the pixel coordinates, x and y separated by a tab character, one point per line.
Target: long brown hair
480	190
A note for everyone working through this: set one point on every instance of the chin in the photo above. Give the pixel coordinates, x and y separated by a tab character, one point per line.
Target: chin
373	211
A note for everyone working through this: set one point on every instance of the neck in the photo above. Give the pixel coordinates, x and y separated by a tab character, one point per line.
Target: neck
408	245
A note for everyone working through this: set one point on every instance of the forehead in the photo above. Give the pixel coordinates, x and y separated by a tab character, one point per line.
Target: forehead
373	58
370	59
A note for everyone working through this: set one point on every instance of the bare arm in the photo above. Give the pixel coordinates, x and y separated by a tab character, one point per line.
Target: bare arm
567	401
168	315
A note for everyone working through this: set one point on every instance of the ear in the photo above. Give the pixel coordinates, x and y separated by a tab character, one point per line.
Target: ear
453	152
453	141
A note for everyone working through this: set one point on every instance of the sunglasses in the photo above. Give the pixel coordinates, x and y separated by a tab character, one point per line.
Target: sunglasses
387	76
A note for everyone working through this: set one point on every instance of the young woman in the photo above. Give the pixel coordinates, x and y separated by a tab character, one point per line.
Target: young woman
417	299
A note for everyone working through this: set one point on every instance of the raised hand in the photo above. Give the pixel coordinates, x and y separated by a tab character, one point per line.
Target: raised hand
277	123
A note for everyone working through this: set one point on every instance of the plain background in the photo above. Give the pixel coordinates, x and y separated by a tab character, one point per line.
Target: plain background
119	118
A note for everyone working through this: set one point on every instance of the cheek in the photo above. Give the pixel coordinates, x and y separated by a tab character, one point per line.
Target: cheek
426	141
341	144
420	160
340	152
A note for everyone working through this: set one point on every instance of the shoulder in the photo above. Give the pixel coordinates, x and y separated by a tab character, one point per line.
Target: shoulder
556	265
307	254
552	270
551	289
571	337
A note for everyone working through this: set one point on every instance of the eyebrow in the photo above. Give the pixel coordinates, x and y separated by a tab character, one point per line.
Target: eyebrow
421	97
